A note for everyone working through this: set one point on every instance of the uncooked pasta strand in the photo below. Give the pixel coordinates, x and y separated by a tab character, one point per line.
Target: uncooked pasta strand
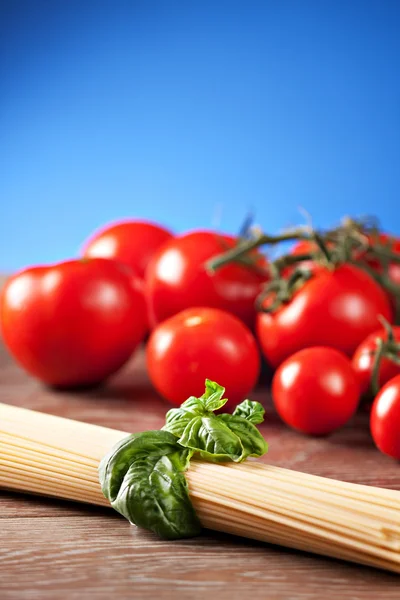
43	454
343	488
286	508
263	479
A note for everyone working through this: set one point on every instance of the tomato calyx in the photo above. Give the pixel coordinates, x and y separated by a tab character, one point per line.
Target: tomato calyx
388	349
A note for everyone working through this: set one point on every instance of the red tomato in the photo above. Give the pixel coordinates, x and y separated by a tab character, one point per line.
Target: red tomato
177	278
385	418
363	360
315	390
334	308
201	343
72	323
131	242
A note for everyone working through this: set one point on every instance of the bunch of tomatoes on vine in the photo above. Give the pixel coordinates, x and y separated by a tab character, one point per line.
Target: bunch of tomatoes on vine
322	317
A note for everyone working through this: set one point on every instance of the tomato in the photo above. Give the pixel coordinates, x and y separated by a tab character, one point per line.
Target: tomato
73	323
177	278
385	418
200	343
131	242
363	360
316	390
334	308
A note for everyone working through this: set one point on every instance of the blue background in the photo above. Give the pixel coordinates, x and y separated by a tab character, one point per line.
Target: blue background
192	113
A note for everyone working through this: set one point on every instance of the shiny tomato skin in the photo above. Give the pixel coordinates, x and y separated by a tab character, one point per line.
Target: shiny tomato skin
200	343
334	308
363	360
385	418
73	323
315	390
177	278
131	242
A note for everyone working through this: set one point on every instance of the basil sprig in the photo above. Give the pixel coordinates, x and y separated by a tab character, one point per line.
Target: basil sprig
143	475
218	437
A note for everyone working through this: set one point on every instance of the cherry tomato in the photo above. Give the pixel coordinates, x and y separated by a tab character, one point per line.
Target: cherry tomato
363	360
131	242
200	343
73	323
385	418
177	278
315	390
334	308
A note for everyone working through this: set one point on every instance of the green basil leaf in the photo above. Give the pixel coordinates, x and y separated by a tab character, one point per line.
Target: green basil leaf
143	477
116	463
211	388
252	411
213	396
212	437
251	439
176	421
193	404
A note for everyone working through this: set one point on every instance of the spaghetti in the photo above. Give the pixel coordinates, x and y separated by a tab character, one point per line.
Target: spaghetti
59	457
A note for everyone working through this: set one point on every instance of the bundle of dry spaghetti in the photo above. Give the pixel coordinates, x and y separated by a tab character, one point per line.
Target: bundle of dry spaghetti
58	457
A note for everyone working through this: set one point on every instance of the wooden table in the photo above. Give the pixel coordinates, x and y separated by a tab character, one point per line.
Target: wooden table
52	550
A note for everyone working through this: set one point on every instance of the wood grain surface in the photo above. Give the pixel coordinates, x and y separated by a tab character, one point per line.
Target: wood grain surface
52	550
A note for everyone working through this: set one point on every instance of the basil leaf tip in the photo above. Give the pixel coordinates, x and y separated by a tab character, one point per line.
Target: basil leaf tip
143	475
252	411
